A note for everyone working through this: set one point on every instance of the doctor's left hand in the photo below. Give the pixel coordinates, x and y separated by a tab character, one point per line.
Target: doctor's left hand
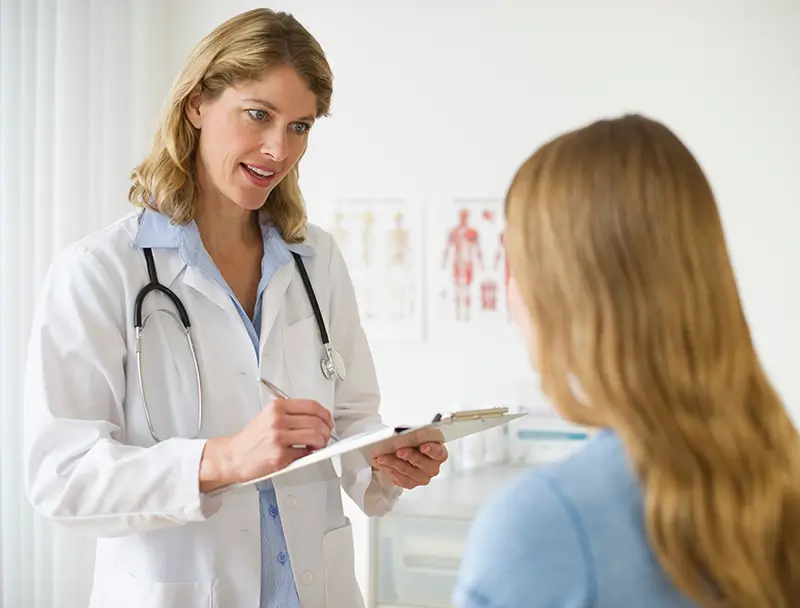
412	467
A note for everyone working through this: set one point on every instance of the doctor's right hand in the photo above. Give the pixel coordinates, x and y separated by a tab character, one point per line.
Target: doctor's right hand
267	443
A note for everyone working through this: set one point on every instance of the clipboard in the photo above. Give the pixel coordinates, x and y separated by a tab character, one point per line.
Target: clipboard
387	440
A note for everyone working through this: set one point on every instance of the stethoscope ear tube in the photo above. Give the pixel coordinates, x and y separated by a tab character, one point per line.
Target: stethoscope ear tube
182	318
323	332
154	285
332	363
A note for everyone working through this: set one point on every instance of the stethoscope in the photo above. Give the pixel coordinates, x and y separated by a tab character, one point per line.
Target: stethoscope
331	364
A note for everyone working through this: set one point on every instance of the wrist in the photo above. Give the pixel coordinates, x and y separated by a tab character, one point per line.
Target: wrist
216	464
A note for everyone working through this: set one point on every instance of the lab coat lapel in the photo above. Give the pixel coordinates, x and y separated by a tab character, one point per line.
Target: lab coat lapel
273	299
197	280
168	265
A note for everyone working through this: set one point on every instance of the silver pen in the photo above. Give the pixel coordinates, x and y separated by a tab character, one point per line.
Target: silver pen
280	394
276	392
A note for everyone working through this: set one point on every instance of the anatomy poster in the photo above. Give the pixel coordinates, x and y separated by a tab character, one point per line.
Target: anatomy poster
381	241
470	272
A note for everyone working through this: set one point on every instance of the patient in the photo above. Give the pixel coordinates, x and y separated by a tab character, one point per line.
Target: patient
688	494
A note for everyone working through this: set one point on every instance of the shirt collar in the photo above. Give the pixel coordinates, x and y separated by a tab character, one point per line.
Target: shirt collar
158	231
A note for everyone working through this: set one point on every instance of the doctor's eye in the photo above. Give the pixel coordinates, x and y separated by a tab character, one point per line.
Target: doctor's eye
258	115
301	128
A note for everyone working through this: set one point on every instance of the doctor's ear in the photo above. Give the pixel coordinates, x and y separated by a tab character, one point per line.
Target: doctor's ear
194	107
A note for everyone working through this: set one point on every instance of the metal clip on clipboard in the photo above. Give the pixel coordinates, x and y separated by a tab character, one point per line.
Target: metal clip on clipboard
492	412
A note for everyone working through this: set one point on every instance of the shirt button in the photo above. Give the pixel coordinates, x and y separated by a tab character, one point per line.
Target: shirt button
273	510
282	557
291	502
306	578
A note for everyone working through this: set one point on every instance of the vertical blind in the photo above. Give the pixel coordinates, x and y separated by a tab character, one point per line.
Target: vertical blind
81	82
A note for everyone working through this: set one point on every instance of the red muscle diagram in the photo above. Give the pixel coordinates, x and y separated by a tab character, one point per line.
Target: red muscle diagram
489	295
463	250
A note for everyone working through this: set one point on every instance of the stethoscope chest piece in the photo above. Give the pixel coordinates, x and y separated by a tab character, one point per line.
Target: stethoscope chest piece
332	364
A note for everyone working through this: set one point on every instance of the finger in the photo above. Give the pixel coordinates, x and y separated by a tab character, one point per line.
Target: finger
404	468
401	480
307	437
304	421
437	451
309	408
419	460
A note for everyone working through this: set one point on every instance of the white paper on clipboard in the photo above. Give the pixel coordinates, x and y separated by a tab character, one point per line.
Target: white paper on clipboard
388	440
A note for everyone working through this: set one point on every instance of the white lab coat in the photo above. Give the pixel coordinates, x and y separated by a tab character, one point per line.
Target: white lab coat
90	460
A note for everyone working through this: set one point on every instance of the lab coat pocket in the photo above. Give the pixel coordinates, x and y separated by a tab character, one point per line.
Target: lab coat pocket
115	588
341	586
303	353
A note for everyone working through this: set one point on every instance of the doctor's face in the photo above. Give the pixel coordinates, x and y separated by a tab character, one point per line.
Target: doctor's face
252	135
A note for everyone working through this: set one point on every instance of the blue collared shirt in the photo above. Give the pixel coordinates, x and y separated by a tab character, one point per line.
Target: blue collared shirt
278	589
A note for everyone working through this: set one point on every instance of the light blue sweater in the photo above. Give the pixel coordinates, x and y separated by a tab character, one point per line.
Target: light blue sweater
566	535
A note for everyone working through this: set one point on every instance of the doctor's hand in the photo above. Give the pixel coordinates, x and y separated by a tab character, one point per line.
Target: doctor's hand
412	467
267	443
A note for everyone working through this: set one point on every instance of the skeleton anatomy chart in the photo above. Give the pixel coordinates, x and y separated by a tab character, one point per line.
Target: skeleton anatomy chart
381	241
471	274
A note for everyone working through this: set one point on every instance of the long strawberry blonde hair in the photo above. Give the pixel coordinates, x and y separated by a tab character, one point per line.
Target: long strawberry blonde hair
616	245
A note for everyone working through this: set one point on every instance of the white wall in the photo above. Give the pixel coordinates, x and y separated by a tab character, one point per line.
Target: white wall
427	91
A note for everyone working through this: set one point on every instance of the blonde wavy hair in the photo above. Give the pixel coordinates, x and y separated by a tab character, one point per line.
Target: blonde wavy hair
618	251
239	50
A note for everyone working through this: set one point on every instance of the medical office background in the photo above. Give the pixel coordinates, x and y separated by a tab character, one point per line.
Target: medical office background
436	103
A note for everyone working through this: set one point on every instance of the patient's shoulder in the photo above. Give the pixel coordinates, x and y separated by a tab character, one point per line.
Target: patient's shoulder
526	547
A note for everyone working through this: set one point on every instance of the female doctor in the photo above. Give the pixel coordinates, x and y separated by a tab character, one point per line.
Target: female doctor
218	278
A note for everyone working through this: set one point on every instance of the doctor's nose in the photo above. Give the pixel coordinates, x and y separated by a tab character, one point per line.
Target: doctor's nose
275	145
